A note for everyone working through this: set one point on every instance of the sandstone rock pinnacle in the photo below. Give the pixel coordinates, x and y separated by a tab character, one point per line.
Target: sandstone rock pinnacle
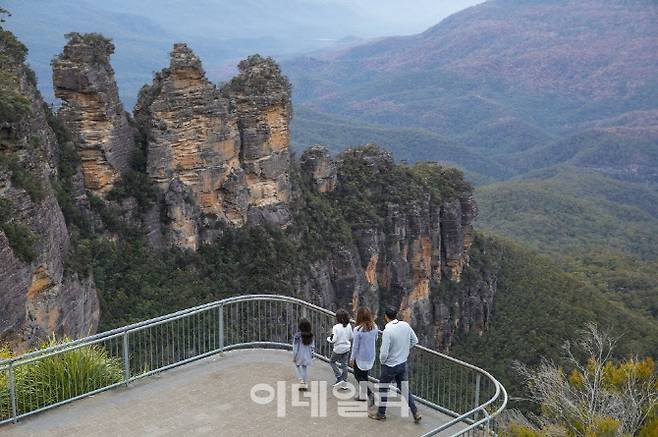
84	79
229	147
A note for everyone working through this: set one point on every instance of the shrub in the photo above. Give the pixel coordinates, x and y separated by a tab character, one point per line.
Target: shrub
137	185
6	210
21	240
100	46
23	177
28	181
58	377
599	397
13	50
13	105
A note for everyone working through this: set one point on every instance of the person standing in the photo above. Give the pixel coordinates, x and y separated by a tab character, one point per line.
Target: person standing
397	340
363	351
341	336
303	347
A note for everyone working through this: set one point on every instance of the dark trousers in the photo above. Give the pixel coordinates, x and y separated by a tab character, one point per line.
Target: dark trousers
361	378
398	374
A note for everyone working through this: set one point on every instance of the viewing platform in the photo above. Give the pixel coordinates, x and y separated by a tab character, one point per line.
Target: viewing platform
223	369
212	397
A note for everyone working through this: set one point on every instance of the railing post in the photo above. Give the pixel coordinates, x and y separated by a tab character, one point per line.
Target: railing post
478	377
126	359
221	328
12	391
288	322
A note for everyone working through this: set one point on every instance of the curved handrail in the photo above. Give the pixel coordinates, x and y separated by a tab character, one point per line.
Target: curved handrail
481	421
499	394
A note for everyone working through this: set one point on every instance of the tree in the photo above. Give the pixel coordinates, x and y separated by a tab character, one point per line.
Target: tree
594	396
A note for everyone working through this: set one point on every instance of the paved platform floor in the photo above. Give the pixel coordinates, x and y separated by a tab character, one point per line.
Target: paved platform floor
212	397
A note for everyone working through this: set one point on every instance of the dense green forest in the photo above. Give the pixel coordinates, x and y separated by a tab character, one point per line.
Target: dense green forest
573	210
601	229
538	307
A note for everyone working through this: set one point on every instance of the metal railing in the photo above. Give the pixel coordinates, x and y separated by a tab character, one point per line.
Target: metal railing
50	377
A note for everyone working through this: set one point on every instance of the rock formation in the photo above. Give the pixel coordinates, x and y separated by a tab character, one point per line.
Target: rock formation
84	79
409	261
260	95
218	156
317	162
38	297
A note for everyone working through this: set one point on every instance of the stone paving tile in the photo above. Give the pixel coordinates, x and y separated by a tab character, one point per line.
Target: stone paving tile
212	397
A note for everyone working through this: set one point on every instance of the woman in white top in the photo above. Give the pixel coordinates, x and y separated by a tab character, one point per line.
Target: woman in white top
341	336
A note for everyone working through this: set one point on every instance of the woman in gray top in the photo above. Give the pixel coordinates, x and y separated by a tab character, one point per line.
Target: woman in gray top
363	350
303	347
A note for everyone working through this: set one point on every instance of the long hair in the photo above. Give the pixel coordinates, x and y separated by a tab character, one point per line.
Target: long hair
364	319
343	317
305	331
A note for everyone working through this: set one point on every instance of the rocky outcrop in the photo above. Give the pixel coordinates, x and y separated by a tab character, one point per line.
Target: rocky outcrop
84	79
38	297
408	259
464	307
457	217
193	148
261	97
317	163
222	153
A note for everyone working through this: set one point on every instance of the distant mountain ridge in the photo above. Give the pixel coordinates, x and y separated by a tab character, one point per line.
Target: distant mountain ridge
503	78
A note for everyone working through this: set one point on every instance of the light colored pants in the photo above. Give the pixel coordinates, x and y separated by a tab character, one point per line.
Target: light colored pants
302	372
339	359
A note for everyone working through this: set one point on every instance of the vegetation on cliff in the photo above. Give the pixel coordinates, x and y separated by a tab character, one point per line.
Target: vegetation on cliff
13	104
135	283
20	238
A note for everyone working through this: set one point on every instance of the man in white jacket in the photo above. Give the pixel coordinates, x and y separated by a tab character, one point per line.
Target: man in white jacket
397	340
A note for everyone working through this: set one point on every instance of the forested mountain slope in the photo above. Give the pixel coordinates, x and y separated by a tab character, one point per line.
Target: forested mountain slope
514	81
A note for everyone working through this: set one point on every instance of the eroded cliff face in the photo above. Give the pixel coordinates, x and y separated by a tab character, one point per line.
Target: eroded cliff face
84	79
317	163
38	297
409	258
217	156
